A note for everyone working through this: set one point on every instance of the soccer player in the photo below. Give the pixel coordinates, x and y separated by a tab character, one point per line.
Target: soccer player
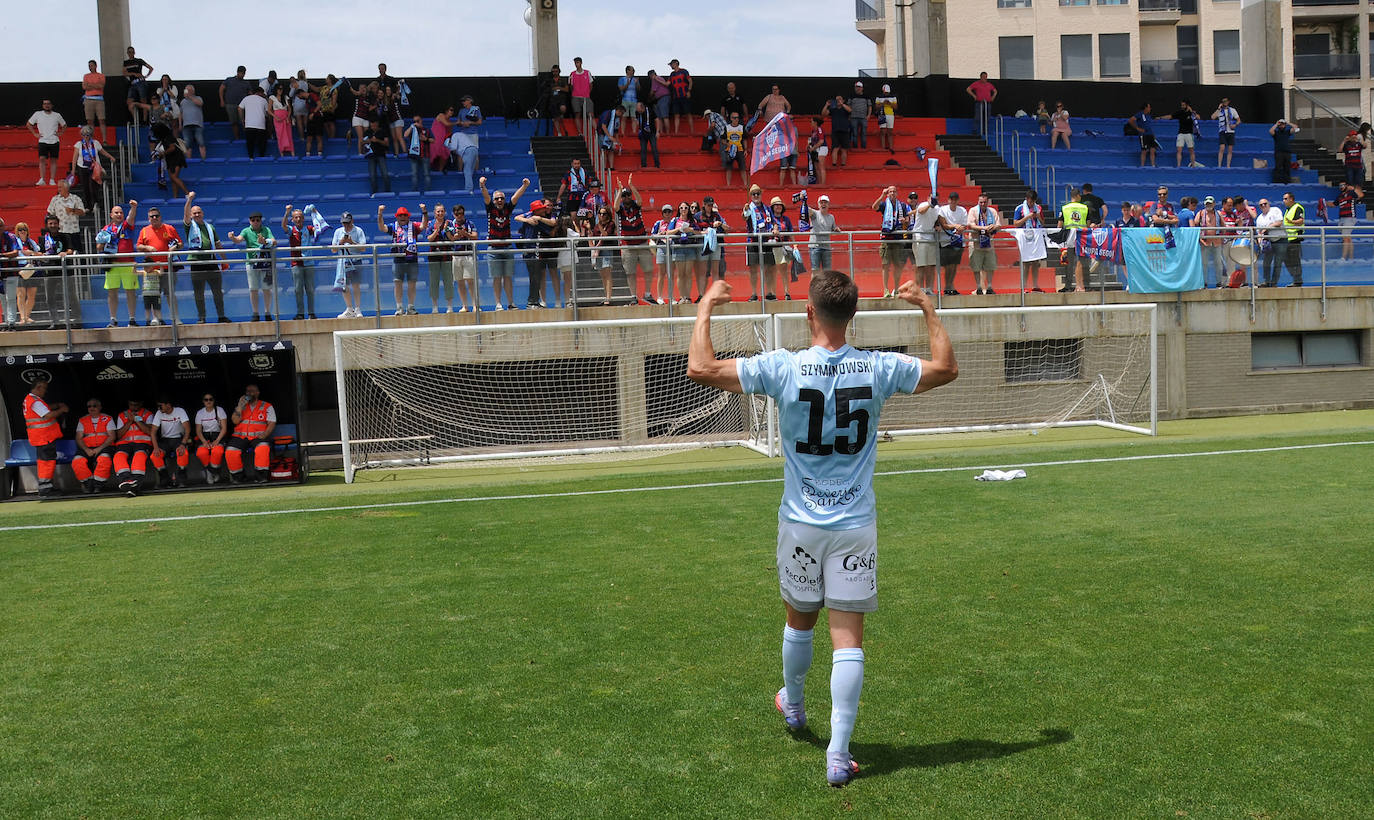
829	397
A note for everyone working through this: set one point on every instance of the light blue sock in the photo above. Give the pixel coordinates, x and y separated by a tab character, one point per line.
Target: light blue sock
846	682
796	661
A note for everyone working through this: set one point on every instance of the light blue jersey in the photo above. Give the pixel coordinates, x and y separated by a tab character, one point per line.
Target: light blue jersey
828	406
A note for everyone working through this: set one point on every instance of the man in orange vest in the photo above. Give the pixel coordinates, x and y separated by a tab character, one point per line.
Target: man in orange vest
41	423
93	464
133	443
254	421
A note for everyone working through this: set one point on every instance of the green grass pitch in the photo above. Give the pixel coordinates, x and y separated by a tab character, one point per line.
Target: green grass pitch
1151	638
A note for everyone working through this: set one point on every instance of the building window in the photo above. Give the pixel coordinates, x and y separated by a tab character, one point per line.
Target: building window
1075	2
1296	351
1114	55
1013	4
1016	58
1113	2
1226	51
1076	56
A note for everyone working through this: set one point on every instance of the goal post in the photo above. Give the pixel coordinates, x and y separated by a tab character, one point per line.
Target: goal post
1019	368
474	392
608	388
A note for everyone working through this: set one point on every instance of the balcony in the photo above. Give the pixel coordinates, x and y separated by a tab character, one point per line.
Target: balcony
1161	71
865	12
1326	66
1310	3
1160	12
873	73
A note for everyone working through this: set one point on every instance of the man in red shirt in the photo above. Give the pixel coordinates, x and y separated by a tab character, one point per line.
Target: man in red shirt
1345	205
117	237
983	93
156	239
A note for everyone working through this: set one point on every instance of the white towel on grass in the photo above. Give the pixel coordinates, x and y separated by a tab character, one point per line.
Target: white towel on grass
1000	475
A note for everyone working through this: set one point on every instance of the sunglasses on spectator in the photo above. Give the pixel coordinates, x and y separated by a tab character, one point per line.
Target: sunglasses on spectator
93	406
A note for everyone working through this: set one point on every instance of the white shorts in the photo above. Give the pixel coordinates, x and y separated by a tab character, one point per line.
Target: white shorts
926	253
834	568
465	268
1184	141
359	122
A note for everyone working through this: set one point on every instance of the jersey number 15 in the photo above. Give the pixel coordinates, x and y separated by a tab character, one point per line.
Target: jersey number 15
844	417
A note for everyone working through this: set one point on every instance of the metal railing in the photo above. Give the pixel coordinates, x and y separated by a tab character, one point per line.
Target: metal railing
1326	66
864	10
1317	120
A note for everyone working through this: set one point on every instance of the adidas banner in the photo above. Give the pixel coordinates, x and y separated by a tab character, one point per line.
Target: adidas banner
184	373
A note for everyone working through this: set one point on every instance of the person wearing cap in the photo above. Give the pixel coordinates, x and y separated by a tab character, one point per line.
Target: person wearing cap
646	128
257	237
1211	242
860	108
777	252
951	222
822	226
636	256
983	93
661	238
1345	210
983	223
541	256
925	246
1282	132
501	256
684	250
1273	241
680	81
405	238
593	199
1227	119
711	222
758	222
734	149
573	186
838	112
347	243
887	117
893	251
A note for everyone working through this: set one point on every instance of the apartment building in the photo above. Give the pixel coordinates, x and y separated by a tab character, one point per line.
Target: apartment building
1320	46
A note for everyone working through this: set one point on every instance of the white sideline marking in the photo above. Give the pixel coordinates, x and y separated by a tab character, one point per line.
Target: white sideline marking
697	486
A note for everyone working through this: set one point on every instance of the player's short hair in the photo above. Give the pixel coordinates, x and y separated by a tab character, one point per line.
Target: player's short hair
834	296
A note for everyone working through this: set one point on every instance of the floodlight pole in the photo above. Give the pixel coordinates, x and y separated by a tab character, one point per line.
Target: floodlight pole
542	18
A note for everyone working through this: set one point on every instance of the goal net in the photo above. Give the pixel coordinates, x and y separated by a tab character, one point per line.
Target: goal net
1019	368
584	389
435	395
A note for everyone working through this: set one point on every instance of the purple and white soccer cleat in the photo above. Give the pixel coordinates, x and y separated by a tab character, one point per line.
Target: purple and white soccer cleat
794	714
840	770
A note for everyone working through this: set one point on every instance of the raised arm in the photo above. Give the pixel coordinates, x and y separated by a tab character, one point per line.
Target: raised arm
519	192
702	365
486	195
381	226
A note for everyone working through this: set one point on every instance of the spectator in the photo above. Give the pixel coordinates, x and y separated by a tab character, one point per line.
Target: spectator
733	150
541	256
193	119
1097	207
1161	213
136	72
1273	242
662	242
375	142
608	124
280	107
329	104
389	112
349	276
173	158
46	125
405	239
133	443
441	269
1073	217
711	222
681	84
591	200
1294	217
269	83
501	256
1186	118
231	92
1352	151
1345	209
732	104
925	249
156	240
417	140
254	420
260	242
983	223
314	122
54	247
822	226
628	87
464	233
463	142
173	434
364	112
1061	129
777	259
166	101
211	428
571	228
206	266
68	209
983	93
758	222
440	128
1030	239
41	422
253	108
1366	133
1282	132
838	111
951	220
684	247
86	154
300	103
9	270
635	253
117	237
1227	120
29	268
93	97
772	105
603	250
94	462
573	187
580	85
892	252
648	123
1141	124
860	107
816	151
886	106
1187	209
1212	243
558	100
1042	116
298	234
385	80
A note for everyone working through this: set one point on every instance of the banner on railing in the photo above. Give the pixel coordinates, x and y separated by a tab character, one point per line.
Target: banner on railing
1161	260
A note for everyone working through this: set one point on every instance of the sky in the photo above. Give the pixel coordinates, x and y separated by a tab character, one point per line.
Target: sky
349	38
